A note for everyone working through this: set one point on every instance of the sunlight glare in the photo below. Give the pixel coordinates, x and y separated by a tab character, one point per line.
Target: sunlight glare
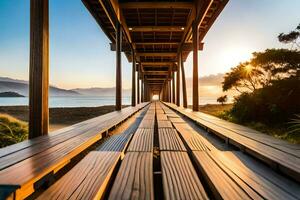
155	97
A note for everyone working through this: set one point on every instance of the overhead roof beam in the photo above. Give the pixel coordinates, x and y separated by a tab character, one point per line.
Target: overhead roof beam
162	54
157	63
166	5
156	28
155	43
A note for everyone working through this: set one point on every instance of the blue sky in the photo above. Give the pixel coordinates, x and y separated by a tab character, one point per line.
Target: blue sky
79	50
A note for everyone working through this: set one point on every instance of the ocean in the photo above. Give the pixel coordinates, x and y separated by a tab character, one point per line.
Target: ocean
83	101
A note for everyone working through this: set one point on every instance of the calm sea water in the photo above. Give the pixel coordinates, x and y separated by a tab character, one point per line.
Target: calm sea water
83	101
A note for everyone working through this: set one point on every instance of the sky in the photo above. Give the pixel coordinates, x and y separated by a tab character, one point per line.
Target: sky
80	55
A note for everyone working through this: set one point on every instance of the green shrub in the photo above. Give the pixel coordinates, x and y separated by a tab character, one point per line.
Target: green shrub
12	130
276	103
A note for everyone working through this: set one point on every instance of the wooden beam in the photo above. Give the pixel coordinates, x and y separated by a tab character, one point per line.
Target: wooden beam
156	72
157	54
153	5
133	100
195	68
142	88
183	84
39	68
118	67
158	63
138	86
156	29
178	83
173	87
156	43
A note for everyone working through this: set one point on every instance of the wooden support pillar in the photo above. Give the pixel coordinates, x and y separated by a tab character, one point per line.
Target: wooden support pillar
173	87
183	83
195	67
138	86
39	68
169	91
178	83
133	100
142	88
118	67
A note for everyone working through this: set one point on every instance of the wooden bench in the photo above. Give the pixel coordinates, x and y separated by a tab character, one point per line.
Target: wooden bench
180	180
87	180
240	181
286	160
169	140
21	167
142	141
135	177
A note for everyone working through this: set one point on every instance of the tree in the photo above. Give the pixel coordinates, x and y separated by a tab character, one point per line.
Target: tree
222	99
291	37
262	69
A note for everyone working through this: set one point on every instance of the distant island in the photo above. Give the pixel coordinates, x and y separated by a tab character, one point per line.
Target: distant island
10	94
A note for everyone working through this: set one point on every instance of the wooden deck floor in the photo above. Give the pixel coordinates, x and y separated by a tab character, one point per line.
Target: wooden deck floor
167	153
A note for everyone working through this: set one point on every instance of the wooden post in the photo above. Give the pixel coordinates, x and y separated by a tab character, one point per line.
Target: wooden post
138	85
133	100
173	87
39	68
178	83
169	90
195	67
118	67
142	88
183	83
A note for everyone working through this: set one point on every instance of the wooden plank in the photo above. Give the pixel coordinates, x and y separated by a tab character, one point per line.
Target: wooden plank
115	143
164	124
22	168
176	120
180	180
278	158
194	141
142	141
222	186
147	123
118	67
162	117
87	180
195	67
135	177
262	180
169	140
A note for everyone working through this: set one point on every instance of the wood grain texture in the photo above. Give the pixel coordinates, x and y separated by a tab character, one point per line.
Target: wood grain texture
162	117
147	123
220	183
176	120
180	180
29	161
272	151
115	143
135	178
87	180
142	141
194	140
164	124
169	140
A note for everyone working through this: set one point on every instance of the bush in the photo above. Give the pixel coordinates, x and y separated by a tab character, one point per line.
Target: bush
276	103
12	130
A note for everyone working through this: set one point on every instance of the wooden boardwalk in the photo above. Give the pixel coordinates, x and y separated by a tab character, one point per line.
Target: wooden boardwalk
159	147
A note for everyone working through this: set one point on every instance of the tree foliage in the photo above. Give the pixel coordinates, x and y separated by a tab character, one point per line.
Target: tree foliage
222	99
291	37
262	69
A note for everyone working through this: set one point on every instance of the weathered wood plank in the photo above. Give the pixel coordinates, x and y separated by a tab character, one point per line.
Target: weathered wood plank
147	123
194	141
176	120
115	143
220	183
87	180
134	179
142	141
162	117
180	180
164	124
169	140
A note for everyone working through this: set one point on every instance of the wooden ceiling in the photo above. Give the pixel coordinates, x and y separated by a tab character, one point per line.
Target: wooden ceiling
156	30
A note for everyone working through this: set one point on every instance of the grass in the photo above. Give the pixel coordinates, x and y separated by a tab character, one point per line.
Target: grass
281	131
12	130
